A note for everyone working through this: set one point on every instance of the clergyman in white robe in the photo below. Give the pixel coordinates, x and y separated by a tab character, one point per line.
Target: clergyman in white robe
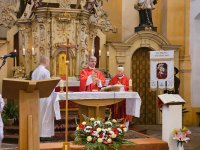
46	104
1	122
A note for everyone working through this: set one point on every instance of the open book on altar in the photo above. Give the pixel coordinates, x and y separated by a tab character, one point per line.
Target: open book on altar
171	99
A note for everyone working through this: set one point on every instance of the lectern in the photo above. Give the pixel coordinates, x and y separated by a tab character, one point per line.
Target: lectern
28	92
171	117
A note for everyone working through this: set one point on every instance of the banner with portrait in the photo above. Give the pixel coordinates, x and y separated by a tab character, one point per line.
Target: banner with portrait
162	69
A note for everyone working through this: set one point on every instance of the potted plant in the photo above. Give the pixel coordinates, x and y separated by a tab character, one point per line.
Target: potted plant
10	114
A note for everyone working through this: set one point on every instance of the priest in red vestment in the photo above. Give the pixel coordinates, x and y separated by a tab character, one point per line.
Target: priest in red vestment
119	109
91	79
120	78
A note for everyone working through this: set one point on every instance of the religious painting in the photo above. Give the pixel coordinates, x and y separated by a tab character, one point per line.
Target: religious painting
161	71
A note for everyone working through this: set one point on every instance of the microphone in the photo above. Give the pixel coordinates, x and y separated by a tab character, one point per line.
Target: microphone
11	54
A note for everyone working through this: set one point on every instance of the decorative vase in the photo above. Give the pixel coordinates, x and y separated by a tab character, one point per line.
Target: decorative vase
180	146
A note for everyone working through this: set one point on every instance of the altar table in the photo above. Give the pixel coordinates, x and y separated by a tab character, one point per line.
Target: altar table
93	103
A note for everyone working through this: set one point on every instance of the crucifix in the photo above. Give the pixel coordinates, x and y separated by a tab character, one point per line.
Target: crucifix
66	46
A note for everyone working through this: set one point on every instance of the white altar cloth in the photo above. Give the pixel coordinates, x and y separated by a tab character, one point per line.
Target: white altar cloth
133	100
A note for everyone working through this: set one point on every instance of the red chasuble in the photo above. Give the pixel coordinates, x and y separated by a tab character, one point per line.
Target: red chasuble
84	76
119	109
123	80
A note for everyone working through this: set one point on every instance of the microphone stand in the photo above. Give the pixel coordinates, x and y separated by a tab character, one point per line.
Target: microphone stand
3	63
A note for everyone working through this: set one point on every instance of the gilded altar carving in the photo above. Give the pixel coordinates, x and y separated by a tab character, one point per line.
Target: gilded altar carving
64	3
49	27
83	44
8	10
19	72
98	17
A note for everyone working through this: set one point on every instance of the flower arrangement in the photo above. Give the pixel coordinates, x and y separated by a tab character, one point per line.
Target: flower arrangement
99	135
181	135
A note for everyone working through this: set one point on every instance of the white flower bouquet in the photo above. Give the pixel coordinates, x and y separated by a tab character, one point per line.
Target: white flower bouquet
99	135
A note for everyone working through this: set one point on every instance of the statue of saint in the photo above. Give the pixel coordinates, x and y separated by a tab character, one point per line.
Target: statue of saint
145	7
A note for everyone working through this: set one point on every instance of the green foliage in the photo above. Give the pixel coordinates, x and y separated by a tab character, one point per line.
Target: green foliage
10	111
96	146
116	145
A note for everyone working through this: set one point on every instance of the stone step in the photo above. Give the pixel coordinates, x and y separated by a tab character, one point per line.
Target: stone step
12	132
11	127
12	138
15	136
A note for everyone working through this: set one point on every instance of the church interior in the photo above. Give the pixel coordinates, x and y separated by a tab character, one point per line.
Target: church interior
117	33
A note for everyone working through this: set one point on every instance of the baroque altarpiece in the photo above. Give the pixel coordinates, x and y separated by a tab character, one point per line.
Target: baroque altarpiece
44	25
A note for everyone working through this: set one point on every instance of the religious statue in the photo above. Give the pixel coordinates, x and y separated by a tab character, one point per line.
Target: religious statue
145	8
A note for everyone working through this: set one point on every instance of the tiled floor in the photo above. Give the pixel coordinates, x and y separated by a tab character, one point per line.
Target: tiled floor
152	130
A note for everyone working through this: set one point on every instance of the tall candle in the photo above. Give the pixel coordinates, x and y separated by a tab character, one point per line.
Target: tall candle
15	58
108	53
99	52
23	51
130	82
33	51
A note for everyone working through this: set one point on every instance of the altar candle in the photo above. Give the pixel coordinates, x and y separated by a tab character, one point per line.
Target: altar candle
33	51
108	53
23	51
99	52
15	58
130	82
